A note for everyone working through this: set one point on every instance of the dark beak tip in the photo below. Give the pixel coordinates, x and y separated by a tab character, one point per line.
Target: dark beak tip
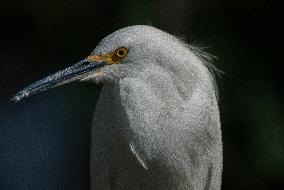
19	96
15	99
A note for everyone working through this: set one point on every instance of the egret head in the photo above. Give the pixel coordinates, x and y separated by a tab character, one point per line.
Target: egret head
125	52
128	51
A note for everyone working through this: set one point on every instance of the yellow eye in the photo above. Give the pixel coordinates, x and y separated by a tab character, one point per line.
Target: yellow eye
121	52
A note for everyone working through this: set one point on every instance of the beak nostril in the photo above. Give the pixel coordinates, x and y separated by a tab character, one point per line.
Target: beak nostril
85	62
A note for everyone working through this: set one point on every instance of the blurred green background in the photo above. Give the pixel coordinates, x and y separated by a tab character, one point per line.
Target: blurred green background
44	140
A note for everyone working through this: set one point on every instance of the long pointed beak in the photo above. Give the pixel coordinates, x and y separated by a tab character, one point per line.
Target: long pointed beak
72	73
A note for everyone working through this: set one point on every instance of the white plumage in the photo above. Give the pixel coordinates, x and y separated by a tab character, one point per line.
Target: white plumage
156	123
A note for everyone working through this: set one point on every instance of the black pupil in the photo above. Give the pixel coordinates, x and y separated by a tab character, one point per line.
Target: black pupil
120	52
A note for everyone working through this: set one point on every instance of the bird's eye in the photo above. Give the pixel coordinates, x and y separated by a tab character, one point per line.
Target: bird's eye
121	52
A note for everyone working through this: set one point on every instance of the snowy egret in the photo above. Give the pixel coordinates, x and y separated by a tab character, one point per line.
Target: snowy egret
156	123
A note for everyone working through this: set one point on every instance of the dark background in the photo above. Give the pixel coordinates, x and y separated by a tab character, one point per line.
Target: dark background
45	140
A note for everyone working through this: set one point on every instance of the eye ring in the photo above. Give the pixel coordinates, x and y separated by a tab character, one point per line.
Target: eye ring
121	52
